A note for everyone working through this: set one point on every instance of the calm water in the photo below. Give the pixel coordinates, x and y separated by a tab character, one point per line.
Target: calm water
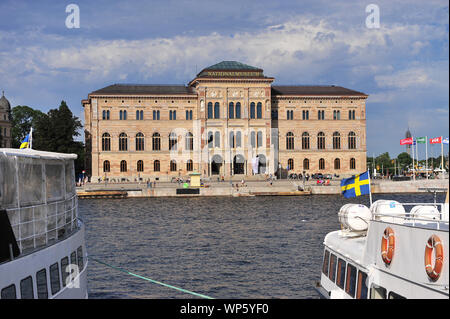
254	247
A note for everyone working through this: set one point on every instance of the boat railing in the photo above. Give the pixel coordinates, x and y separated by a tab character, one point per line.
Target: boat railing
41	225
435	221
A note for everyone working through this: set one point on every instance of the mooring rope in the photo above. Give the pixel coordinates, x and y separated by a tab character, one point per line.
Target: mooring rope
149	279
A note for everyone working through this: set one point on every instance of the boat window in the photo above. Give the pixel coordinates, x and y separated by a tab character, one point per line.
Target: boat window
41	284
340	280
393	295
73	258
326	257
351	280
26	288
80	258
9	292
64	270
332	272
377	292
54	278
361	292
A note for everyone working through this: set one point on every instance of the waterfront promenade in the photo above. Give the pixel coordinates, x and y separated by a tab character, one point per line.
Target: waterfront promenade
249	188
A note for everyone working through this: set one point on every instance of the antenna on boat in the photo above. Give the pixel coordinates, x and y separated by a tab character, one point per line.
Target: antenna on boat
370	188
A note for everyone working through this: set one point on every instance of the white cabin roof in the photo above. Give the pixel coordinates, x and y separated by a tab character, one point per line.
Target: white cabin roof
27	152
350	247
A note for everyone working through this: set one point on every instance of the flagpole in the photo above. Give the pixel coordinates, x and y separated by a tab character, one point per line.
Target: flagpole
370	188
417	153
31	138
426	156
442	154
413	168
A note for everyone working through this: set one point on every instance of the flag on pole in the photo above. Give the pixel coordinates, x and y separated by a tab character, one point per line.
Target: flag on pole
26	143
406	141
421	140
436	140
445	140
356	185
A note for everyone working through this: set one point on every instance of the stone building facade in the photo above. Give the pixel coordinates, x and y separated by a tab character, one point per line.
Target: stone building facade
5	122
230	120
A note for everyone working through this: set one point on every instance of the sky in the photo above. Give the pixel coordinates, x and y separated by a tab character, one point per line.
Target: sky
402	64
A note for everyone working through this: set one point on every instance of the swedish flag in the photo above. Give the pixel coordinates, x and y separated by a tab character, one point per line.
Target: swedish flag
356	185
25	142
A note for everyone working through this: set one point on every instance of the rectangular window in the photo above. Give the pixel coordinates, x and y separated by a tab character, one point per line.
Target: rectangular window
377	292
41	284
326	257
393	295
340	280
64	273
73	258
350	284
332	272
9	292
26	288
80	258
54	278
361	290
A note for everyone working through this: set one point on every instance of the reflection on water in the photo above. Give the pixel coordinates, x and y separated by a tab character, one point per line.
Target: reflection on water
244	247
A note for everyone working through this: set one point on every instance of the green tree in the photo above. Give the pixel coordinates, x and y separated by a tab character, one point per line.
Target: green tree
23	118
404	160
384	162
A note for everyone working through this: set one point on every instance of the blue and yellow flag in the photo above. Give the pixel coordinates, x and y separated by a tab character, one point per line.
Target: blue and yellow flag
25	142
356	185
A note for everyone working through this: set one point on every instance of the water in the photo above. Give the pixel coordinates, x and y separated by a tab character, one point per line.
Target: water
222	247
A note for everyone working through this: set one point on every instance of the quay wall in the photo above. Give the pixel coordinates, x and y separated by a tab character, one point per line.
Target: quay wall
256	188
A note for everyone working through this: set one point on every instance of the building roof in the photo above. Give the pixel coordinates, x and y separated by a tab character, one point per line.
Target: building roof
315	90
4	103
230	69
144	89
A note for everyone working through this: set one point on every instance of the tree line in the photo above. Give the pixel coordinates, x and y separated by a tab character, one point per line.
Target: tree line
53	131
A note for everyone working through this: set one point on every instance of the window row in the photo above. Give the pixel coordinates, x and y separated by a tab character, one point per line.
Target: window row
140	115
321	141
140	166
320	115
234	110
58	275
322	166
140	142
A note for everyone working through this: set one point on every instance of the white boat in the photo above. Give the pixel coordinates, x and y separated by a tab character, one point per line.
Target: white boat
42	244
391	250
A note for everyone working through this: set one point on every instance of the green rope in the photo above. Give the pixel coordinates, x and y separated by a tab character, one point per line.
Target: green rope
151	280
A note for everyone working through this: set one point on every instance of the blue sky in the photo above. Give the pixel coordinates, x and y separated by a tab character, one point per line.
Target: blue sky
403	65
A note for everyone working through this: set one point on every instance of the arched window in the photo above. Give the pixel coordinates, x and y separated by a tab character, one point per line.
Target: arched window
321	141
351	114
259	139
172	115
336	115
217	110
259	110
290	141
231	110
189	141
123	142
321	163
305	141
140	166
106	142
120	115
106	167
231	142
173	139
337	163
238	139
238	110
156	166
210	110
210	139
252	110
352	140
139	115
189	166
217	139
156	142
123	166
321	115
306	164
104	115
290	164
140	142
253	139
156	115
336	141
173	166
352	163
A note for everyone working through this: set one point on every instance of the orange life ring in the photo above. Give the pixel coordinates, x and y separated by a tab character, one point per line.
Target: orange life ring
434	243
387	246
